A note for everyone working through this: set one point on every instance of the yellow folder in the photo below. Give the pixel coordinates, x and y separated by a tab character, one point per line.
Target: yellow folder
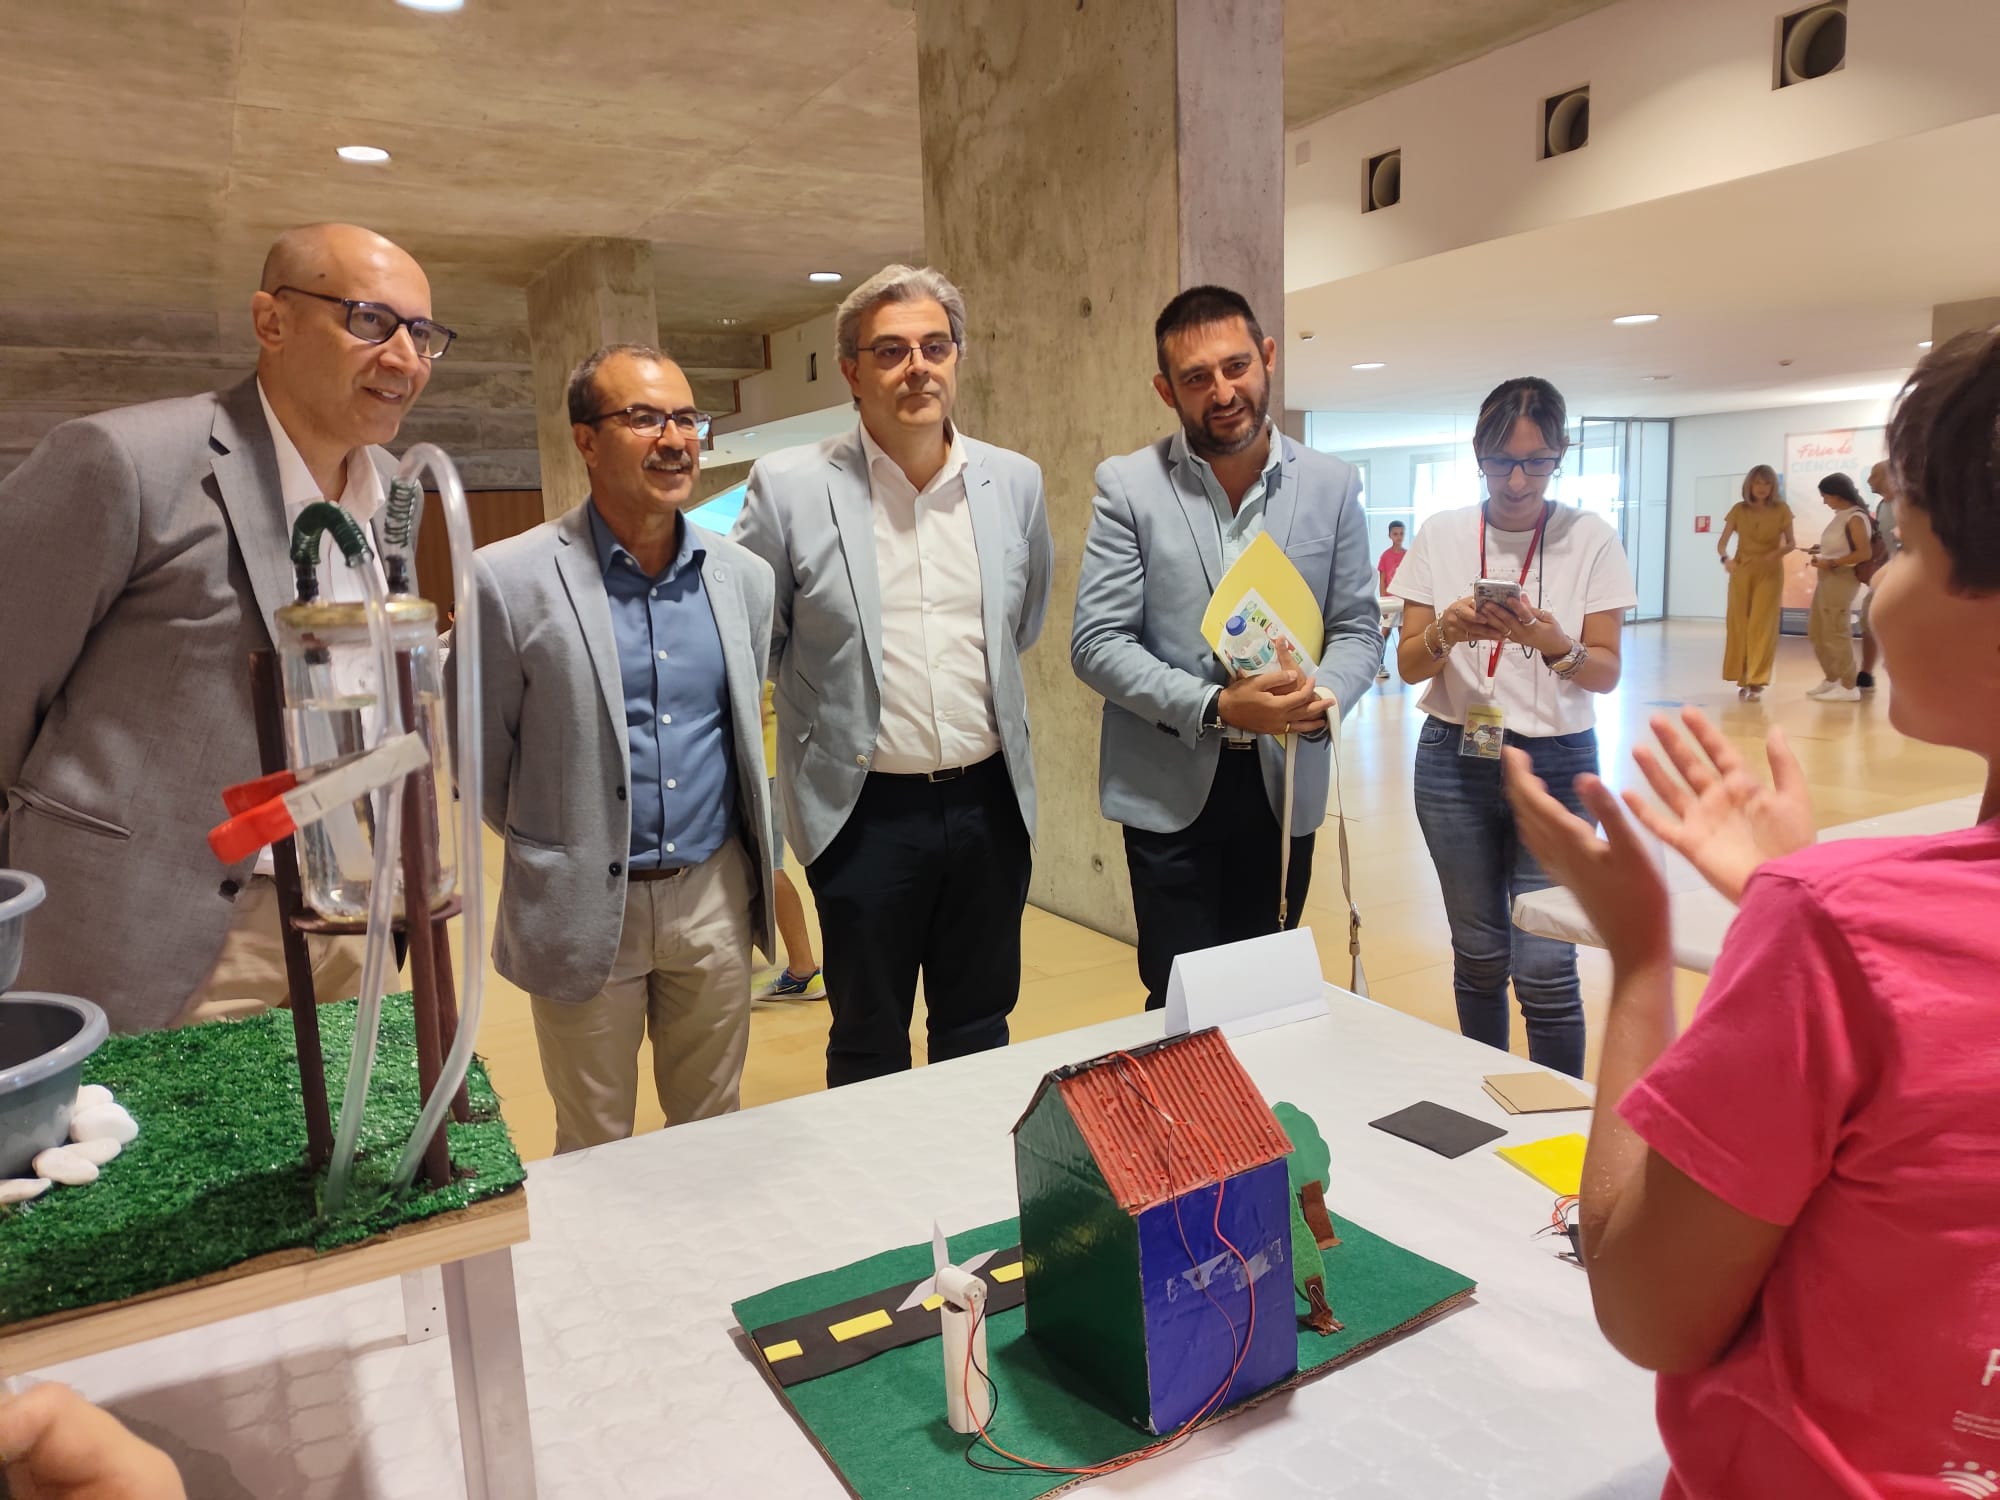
1555	1163
1265	574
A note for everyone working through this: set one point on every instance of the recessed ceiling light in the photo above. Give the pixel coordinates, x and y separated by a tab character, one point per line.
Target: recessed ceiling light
1656	377
746	434
362	153
823	276
1924	344
727	322
439	6
1638	318
1307	338
1371	364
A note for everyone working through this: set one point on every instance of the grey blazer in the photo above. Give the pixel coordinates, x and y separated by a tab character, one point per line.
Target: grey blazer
142	553
1151	562
557	758
809	513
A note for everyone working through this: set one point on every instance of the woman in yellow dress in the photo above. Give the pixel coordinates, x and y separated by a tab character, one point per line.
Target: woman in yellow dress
1762	526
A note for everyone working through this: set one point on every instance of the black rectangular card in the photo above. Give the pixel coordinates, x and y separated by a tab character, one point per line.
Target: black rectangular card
1442	1130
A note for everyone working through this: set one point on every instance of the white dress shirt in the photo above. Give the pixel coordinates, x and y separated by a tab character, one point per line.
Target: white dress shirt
937	702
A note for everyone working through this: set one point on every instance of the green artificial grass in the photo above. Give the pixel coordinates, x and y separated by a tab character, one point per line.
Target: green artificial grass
218	1173
882	1424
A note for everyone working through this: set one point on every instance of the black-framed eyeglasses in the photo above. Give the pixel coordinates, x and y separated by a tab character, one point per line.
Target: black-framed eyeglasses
650	421
1501	467
893	354
377	322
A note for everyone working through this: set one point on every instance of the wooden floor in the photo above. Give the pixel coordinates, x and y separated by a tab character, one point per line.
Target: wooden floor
1857	764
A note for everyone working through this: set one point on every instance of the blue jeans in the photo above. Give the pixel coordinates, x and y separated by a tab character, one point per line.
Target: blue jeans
1482	866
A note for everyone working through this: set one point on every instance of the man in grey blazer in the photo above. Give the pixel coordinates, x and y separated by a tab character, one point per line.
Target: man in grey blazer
912	566
1187	759
142	553
623	653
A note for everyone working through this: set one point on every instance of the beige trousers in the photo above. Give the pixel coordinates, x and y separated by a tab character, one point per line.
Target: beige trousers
249	977
682	977
1830	625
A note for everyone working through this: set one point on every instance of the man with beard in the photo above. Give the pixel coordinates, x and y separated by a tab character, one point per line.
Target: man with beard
1188	761
623	652
913	567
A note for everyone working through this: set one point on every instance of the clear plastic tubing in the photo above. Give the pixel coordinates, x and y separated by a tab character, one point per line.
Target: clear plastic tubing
470	777
381	899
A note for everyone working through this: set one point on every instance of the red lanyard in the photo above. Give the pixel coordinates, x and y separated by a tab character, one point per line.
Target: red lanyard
1493	663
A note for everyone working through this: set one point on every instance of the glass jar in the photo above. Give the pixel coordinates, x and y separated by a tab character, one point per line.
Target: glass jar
331	696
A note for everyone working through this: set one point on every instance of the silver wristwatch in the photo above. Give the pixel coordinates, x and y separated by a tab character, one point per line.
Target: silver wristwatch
1569	665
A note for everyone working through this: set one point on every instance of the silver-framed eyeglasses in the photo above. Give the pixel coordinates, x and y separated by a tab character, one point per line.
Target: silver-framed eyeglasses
650	421
893	354
1499	466
377	322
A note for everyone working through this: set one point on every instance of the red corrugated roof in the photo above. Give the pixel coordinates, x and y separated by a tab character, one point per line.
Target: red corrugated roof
1222	1123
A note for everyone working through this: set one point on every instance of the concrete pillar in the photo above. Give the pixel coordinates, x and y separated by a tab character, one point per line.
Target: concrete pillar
597	292
1950	319
1083	162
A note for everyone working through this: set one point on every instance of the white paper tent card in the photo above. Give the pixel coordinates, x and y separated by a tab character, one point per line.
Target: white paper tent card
1248	986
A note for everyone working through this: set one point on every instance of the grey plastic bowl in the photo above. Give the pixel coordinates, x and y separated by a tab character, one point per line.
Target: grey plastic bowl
20	893
43	1042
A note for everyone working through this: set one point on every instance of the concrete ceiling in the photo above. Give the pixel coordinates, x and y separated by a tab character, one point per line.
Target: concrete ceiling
149	151
1340	52
1832	266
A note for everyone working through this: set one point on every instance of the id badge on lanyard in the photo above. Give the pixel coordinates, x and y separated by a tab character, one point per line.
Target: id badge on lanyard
1485	730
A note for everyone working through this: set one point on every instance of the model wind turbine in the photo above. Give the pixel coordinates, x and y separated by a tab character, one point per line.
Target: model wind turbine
959	1295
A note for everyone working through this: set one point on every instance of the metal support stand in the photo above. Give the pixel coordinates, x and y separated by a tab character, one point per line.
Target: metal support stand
489	1376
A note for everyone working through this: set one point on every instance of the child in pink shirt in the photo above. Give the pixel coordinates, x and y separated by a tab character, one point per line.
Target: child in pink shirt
1793	1211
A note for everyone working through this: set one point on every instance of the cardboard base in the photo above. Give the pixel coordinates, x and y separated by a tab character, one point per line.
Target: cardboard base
882	1425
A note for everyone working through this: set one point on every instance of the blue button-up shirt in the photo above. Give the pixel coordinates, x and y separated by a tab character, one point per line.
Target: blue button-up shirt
677	725
1238	529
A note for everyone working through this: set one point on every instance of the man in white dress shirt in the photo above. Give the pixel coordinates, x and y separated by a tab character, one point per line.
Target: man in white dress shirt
912	568
142	554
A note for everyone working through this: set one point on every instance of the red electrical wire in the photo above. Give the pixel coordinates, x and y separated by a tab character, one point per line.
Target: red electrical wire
1136	1081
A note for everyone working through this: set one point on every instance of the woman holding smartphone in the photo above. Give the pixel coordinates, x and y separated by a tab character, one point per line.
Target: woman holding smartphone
1512	613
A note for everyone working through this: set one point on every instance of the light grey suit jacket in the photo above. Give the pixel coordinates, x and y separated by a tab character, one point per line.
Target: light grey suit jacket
558	763
809	513
1151	563
142	553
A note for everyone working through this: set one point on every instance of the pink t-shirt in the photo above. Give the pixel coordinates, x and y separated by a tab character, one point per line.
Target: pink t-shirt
1842	1078
1386	565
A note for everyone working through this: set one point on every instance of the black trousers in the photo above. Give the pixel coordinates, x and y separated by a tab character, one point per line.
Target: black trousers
1215	881
930	876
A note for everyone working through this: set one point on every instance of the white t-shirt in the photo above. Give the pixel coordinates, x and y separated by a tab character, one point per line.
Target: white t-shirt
1578	570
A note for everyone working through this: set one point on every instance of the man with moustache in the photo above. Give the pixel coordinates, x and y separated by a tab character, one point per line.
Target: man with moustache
1187	757
913	566
143	552
623	653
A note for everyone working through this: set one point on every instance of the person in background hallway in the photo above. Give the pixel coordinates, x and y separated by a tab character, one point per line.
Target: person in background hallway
913	566
1392	556
1385	570
623	651
1538	665
143	552
798	977
1792	1211
1188	760
1762	526
1885	527
54	1445
1844	544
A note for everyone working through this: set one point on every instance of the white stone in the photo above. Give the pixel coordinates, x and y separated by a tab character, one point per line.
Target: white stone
21	1189
67	1165
93	1094
103	1122
99	1149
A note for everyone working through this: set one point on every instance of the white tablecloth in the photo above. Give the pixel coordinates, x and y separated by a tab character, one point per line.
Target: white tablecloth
639	1248
1701	915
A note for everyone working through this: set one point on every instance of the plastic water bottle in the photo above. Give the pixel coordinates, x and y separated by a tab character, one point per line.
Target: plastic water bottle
1247	647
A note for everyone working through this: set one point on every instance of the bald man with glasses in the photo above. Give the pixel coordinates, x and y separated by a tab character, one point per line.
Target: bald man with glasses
143	552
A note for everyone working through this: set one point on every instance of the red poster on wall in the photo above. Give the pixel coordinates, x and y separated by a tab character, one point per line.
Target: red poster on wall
1701	523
